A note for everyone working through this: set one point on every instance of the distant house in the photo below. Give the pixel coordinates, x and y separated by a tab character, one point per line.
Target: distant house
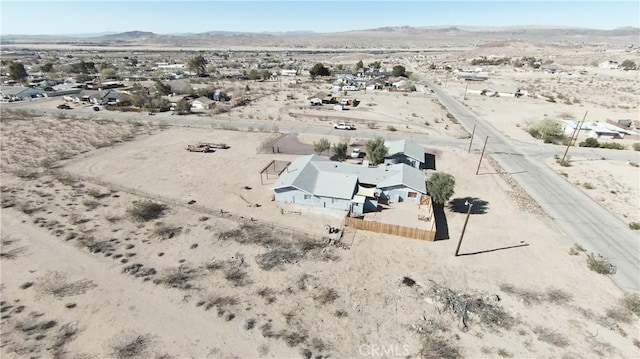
609	65
97	97
598	129
407	152
315	181
286	72
20	93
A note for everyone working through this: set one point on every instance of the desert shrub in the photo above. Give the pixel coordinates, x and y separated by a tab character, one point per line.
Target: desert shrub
451	117
534	132
504	353
341	313
552	337
267	294
600	264
144	211
528	297
588	185
372	126
131	346
391	128
576	249
590	142
437	347
636	146
632	303
95	193
619	314
276	258
563	163
634	225
237	276
91	204
215	301
466	305
613	145
558	296
165	231
56	284
326	295
179	277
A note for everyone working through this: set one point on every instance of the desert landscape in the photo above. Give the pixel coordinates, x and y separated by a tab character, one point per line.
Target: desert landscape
118	242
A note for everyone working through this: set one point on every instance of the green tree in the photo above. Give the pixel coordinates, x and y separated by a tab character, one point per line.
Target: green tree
398	70
322	145
441	187
197	64
162	88
376	65
628	65
48	67
82	78
108	73
254	74
376	150
359	65
17	71
340	151
319	70
183	107
549	129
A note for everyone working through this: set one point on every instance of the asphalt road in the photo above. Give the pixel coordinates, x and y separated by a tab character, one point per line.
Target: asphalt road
581	219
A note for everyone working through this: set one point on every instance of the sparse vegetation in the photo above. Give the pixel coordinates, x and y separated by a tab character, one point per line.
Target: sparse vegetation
131	346
600	264
552	337
635	226
57	285
326	295
144	211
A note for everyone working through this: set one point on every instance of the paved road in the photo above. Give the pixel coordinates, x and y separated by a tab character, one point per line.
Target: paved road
583	220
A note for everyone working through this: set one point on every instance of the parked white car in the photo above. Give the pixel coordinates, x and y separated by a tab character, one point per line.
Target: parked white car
343	126
355	153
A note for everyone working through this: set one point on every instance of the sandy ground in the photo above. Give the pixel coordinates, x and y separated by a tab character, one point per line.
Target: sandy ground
82	278
75	242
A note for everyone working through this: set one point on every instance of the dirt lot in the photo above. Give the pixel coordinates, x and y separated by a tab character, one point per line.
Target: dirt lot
79	270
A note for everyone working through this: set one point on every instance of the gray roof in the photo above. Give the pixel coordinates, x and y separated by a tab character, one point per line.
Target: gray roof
409	148
318	176
16	90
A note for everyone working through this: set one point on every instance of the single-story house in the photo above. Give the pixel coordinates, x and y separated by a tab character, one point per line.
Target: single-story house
202	103
407	152
597	129
315	181
20	93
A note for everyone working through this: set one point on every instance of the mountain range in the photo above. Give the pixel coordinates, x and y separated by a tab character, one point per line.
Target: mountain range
383	37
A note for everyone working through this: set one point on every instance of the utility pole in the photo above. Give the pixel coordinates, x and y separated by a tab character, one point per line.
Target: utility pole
575	133
471	142
482	154
464	227
465	91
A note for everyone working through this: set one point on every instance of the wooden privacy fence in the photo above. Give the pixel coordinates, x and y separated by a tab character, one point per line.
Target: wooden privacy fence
393	229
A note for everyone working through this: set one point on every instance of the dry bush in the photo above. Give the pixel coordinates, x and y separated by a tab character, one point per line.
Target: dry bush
558	296
326	295
437	347
66	334
237	276
483	307
600	264
165	231
9	254
143	211
267	294
619	314
131	345
576	249
528	297
632	303
180	277
57	285
341	313
216	301
552	337
276	258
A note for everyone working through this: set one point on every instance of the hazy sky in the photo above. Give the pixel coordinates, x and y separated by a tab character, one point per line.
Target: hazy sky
78	17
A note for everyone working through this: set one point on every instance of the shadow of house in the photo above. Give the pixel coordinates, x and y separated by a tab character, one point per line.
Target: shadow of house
442	228
429	161
458	205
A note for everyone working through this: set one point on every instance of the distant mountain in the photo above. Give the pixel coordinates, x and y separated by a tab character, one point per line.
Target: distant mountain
388	37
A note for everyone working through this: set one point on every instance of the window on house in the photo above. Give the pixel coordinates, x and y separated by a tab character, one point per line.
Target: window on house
412	195
307	196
